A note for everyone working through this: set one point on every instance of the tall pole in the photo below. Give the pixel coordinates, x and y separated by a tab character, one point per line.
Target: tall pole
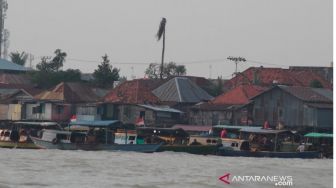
163	51
236	60
1	26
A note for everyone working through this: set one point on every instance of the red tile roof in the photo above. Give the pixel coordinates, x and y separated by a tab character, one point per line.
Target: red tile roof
238	96
138	91
269	76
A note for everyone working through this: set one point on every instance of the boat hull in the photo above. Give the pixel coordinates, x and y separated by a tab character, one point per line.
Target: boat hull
145	148
303	155
21	145
192	149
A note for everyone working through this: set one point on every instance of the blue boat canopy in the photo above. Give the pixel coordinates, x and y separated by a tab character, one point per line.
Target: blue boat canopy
44	124
97	123
318	135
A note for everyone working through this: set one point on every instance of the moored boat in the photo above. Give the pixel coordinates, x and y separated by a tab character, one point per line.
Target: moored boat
17	134
94	135
261	142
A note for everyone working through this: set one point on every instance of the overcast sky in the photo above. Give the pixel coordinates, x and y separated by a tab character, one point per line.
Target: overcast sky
199	33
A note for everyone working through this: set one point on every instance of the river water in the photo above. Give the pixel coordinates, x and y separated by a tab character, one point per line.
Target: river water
56	168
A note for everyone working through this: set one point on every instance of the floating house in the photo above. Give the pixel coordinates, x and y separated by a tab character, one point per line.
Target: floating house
133	102
294	107
227	108
59	103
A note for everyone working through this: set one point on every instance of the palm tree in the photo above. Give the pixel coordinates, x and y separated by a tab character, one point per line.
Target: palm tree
19	58
161	34
59	59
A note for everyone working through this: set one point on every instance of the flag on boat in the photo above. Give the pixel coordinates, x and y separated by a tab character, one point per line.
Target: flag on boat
140	121
73	118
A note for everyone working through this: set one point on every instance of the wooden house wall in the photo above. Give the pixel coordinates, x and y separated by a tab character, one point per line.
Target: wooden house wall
84	112
324	118
278	106
45	115
207	117
63	114
3	111
128	113
14	112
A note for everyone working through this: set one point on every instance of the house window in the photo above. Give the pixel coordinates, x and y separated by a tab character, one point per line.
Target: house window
60	109
37	109
99	110
142	114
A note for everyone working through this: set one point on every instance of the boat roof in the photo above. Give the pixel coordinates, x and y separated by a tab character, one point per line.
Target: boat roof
232	127
58	131
44	124
96	123
318	135
262	130
161	131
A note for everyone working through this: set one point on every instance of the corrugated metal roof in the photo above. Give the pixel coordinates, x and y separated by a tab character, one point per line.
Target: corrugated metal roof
262	130
98	123
69	92
198	128
181	89
137	91
161	108
17	79
7	65
308	94
325	92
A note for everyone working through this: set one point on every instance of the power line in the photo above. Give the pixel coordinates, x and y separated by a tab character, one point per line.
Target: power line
204	61
264	63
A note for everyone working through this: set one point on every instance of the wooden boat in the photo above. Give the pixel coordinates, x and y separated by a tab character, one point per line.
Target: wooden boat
275	148
22	130
177	140
101	135
241	153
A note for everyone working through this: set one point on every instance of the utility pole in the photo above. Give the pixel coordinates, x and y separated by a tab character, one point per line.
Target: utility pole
3	9
236	60
31	58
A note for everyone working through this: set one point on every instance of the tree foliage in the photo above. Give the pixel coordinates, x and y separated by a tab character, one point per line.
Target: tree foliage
19	58
316	84
216	88
169	69
105	74
53	65
48	71
49	79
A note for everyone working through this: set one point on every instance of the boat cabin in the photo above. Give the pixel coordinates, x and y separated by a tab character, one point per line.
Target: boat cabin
261	139
108	132
163	135
21	130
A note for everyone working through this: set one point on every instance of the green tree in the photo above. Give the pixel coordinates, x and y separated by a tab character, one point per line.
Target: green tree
105	75
53	65
58	60
316	84
153	71
44	65
170	69
19	58
48	72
